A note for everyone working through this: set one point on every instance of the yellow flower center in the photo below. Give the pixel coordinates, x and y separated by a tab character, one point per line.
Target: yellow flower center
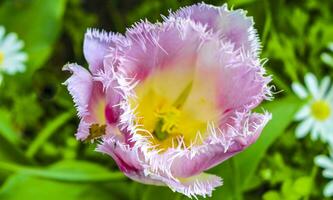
2	57
173	109
320	110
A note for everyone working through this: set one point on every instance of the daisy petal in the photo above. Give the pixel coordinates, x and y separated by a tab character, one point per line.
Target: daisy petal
324	162
324	85
328	190
303	113
328	173
9	41
312	84
329	95
316	132
304	127
299	90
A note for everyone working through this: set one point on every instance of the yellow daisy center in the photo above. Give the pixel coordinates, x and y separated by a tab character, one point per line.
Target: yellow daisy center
2	57
173	109
320	110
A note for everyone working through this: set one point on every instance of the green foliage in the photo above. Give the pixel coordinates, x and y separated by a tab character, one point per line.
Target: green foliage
40	159
74	181
238	171
37	22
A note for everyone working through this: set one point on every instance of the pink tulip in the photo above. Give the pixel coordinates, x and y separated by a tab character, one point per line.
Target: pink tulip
170	100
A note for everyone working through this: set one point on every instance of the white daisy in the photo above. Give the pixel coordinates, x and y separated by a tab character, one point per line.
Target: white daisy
326	163
316	115
12	58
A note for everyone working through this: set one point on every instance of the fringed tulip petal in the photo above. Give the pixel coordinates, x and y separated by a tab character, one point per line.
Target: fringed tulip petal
202	184
231	25
80	87
97	44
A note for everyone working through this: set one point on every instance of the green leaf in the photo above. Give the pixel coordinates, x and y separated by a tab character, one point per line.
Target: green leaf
303	185
66	180
73	171
240	2
9	152
37	23
6	129
272	195
49	129
283	111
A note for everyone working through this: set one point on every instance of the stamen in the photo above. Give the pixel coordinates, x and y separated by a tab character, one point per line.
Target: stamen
169	117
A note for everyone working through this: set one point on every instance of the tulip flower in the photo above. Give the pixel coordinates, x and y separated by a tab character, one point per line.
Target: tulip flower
170	100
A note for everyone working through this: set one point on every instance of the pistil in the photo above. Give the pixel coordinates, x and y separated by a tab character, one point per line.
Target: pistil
168	118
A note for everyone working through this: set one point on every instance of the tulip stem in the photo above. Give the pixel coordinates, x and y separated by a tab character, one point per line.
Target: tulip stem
237	189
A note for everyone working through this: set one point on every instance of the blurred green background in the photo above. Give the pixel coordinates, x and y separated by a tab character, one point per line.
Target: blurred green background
40	158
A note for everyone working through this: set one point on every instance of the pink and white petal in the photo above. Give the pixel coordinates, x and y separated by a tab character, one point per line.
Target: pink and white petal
195	51
231	25
221	146
304	112
111	95
83	130
299	90
127	158
311	83
91	100
97	104
246	85
202	184
236	80
157	46
97	45
304	127
80	86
